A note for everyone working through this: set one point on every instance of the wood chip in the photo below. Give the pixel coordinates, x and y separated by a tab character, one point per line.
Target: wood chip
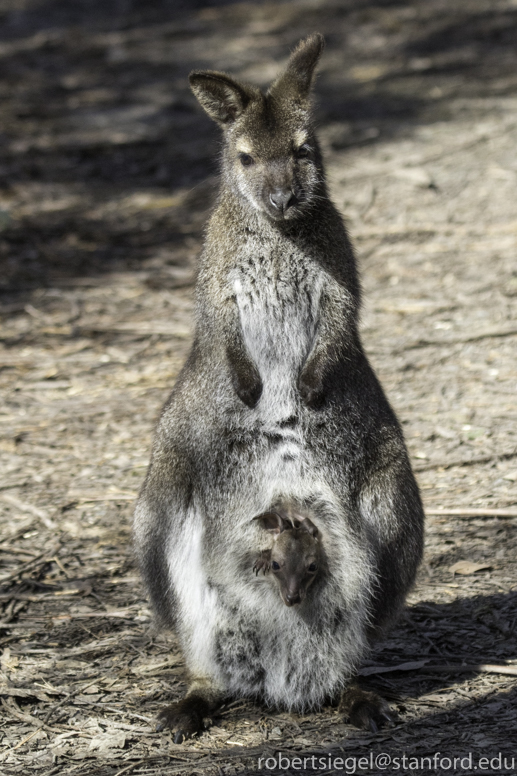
466	567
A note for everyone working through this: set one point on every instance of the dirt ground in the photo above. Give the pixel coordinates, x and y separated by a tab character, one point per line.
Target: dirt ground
108	171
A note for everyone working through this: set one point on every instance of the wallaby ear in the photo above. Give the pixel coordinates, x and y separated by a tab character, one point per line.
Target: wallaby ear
223	98
309	526
272	522
296	80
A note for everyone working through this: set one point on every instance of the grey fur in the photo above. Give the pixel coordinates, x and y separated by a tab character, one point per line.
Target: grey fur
276	403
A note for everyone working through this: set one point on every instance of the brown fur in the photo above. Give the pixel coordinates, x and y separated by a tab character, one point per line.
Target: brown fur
295	557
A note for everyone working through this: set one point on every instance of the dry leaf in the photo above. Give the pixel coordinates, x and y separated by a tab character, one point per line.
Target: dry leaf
467	567
106	741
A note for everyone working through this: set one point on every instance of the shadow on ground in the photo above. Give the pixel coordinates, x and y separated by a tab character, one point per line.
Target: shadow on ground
97	115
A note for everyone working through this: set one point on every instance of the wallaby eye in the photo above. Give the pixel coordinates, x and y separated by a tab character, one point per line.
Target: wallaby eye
312	568
246	160
303	152
275	566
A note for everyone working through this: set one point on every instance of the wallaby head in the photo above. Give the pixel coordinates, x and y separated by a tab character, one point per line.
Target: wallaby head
271	157
295	556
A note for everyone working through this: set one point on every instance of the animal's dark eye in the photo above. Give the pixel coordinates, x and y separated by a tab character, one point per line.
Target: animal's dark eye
303	152
275	566
312	568
246	160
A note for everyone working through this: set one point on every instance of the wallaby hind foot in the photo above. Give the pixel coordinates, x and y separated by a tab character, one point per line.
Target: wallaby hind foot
365	709
186	718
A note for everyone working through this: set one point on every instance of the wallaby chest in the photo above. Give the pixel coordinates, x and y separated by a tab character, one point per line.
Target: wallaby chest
277	292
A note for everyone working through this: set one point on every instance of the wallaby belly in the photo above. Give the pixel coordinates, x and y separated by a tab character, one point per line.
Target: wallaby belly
270	652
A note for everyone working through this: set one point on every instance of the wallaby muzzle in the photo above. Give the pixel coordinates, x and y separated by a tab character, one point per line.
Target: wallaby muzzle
281	191
282	200
292	598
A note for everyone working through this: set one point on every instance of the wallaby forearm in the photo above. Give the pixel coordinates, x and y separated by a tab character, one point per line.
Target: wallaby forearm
224	330
244	374
334	345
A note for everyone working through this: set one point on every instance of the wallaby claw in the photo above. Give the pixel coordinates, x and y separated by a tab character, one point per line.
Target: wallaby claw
184	718
261	565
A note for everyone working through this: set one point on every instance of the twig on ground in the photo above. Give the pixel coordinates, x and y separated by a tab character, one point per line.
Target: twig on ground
487	334
32	564
129	767
23	507
473	512
474	668
68	697
446	668
465	462
17	551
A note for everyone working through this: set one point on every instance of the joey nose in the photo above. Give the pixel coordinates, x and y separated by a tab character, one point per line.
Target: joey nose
292	598
281	199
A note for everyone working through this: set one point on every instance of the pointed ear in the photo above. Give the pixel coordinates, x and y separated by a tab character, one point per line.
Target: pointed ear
296	80
223	98
272	522
309	526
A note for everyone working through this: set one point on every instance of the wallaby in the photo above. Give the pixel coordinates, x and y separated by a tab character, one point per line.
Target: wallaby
276	404
295	557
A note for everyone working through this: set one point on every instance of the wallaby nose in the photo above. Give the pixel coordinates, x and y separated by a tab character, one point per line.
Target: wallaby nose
292	598
282	199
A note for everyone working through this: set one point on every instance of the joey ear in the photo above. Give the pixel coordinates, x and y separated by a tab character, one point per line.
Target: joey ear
309	526
222	98
296	80
272	522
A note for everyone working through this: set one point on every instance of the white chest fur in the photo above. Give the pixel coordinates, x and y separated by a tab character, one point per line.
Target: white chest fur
278	300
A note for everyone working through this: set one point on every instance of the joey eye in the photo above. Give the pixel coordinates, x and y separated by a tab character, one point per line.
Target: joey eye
303	152
312	568
275	566
246	160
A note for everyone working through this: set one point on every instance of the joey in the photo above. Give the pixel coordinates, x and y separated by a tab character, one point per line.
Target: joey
294	560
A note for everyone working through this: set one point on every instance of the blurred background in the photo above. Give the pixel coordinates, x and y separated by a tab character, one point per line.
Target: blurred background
96	114
108	170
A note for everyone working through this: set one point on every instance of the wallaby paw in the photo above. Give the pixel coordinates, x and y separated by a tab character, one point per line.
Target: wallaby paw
250	393
244	374
366	710
186	718
261	564
311	391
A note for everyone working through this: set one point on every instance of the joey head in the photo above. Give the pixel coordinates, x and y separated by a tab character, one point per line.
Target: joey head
295	557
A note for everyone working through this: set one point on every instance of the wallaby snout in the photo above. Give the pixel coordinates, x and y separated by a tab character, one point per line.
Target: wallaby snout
282	200
293	598
279	187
